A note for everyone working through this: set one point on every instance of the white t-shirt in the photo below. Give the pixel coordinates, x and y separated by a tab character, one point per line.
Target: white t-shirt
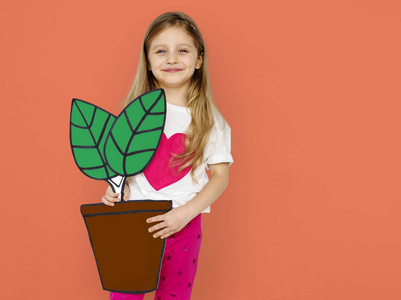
159	182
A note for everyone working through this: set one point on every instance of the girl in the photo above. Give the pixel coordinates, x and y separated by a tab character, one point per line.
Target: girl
196	136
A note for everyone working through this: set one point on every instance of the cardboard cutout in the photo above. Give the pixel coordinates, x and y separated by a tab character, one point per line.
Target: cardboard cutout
110	148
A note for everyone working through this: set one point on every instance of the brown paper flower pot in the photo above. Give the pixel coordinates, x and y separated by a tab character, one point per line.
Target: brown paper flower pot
128	257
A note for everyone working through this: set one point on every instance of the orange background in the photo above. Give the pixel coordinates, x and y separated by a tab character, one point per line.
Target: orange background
311	90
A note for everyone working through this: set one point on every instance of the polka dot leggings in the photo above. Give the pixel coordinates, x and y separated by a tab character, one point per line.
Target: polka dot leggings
179	265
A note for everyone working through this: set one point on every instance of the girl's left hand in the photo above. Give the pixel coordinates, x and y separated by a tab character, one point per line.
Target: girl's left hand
172	222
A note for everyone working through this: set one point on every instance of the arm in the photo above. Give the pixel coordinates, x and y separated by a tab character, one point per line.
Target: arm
176	219
211	191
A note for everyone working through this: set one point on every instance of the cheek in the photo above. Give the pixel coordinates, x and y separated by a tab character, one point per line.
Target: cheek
195	61
154	61
190	62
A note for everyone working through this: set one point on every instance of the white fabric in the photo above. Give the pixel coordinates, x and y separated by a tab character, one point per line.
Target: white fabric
216	151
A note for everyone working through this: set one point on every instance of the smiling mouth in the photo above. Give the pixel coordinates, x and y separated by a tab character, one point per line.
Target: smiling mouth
172	70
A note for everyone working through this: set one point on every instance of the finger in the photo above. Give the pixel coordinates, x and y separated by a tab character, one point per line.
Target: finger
107	202
112	199
155	219
167	235
110	193
127	191
162	233
157	226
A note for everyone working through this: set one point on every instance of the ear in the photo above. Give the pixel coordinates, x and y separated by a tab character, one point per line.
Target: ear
199	61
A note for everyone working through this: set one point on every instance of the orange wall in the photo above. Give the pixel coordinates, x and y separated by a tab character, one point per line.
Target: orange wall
311	90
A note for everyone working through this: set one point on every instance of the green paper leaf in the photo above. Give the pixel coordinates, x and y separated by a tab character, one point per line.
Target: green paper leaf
136	133
89	127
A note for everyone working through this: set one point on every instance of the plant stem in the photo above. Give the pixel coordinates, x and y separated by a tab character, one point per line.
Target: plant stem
117	184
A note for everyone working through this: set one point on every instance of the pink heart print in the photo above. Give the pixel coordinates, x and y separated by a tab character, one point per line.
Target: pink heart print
158	173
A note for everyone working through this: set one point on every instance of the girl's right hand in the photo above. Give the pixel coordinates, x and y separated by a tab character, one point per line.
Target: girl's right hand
111	197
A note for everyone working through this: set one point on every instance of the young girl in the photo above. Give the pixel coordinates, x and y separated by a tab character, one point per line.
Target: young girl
196	136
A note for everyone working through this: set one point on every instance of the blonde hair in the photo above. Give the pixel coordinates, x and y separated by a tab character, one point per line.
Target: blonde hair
199	95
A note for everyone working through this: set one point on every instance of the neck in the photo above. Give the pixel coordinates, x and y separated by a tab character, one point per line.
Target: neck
176	95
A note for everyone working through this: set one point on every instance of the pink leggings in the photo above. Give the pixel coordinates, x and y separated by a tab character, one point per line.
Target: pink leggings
179	265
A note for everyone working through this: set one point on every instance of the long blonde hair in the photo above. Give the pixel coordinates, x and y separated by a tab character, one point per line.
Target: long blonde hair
199	95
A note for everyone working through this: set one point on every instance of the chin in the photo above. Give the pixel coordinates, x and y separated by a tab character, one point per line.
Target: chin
173	84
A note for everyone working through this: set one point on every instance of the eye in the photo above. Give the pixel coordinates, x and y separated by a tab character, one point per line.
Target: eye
159	51
184	50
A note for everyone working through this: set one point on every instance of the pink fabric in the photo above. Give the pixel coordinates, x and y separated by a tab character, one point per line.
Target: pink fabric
158	173
179	265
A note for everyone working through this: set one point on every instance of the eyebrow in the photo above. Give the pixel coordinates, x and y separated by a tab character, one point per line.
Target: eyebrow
180	44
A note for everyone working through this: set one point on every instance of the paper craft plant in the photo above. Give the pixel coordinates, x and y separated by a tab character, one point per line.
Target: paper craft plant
110	148
106	147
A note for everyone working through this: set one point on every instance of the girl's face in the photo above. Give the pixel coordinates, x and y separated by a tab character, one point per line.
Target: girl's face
172	58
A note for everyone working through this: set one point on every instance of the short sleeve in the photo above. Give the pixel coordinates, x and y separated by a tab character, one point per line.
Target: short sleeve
218	149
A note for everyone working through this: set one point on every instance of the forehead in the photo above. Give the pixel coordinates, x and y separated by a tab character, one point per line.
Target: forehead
172	36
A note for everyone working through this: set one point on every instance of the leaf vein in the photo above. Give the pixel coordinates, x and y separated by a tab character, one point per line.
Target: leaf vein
140	151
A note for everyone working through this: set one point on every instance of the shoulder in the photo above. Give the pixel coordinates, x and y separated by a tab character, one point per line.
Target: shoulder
219	145
220	124
221	128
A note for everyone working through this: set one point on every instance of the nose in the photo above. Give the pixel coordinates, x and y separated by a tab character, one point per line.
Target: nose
172	58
